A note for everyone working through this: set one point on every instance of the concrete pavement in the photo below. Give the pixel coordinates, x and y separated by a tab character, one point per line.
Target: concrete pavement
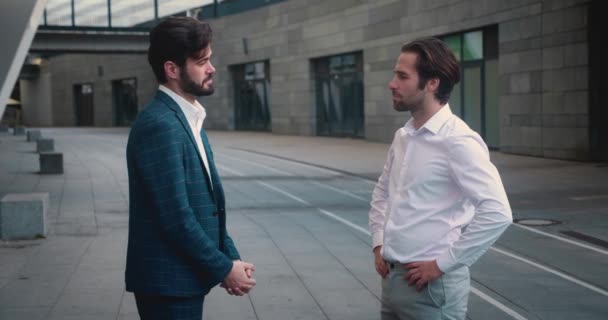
298	210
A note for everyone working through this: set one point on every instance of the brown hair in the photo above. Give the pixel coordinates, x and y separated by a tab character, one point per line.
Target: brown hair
435	60
175	39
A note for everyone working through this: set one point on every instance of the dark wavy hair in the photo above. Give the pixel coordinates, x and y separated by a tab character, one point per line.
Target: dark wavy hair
175	39
435	60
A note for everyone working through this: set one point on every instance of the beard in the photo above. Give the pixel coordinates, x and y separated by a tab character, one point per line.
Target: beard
401	106
412	105
189	86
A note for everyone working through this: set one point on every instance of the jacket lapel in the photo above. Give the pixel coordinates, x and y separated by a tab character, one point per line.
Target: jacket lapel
218	190
182	119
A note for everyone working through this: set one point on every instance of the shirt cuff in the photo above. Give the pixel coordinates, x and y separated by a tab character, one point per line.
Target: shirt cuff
446	262
377	239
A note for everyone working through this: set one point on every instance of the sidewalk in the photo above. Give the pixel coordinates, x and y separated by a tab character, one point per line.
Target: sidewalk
537	187
309	267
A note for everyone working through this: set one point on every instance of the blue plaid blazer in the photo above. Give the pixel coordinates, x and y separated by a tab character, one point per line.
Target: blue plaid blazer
178	244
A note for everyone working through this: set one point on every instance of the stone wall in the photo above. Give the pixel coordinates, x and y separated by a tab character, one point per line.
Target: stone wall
543	65
98	69
542	62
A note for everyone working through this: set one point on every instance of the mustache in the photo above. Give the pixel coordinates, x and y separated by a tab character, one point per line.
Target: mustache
206	80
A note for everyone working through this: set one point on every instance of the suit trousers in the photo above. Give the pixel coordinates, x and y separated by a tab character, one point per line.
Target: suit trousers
442	299
152	307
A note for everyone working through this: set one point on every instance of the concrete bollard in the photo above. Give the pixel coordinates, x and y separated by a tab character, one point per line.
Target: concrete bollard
51	163
33	135
45	145
19	131
23	216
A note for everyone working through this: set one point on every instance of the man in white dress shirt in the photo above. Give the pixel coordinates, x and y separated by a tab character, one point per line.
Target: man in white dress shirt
439	203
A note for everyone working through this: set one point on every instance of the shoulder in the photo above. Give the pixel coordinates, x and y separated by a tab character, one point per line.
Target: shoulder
462	141
156	123
155	114
399	135
398	138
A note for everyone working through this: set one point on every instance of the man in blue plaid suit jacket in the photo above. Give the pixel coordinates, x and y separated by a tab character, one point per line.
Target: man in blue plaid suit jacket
178	244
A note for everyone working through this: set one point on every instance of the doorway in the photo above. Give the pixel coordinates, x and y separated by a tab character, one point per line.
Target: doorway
339	95
124	101
475	98
83	104
251	94
598	83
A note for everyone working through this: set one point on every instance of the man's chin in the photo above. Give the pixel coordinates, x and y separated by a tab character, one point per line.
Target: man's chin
196	90
201	92
206	92
400	107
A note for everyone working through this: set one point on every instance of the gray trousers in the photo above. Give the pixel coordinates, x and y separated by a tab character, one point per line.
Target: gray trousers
444	298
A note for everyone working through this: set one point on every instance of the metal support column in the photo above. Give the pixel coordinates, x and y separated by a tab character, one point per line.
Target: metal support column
155	9
73	14
109	13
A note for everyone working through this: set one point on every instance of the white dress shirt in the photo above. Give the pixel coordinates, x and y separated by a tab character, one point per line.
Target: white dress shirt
195	114
439	197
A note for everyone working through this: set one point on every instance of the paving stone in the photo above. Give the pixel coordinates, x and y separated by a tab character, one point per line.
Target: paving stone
23	216
45	145
51	163
33	135
19	131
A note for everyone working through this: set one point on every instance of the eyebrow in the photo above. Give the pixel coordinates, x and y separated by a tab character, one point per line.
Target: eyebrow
205	57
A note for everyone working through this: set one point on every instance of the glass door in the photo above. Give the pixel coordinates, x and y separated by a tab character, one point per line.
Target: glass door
124	94
251	93
339	96
83	104
472	87
475	98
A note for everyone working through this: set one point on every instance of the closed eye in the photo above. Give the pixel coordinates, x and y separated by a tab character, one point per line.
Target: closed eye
401	75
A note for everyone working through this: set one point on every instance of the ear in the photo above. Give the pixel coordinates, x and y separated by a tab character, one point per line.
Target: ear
432	85
171	70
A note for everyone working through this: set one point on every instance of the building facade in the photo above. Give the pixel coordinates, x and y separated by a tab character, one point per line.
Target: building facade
532	72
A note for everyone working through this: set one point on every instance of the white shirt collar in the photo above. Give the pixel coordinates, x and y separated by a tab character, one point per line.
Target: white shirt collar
191	111
195	115
433	125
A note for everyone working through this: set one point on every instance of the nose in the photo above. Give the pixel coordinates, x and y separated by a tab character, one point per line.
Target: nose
211	68
391	84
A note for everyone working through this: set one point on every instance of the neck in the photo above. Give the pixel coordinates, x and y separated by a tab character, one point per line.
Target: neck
426	112
178	90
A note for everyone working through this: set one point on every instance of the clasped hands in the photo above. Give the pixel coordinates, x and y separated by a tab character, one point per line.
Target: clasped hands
239	281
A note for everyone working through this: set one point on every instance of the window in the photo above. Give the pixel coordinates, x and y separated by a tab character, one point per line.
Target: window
475	98
339	95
